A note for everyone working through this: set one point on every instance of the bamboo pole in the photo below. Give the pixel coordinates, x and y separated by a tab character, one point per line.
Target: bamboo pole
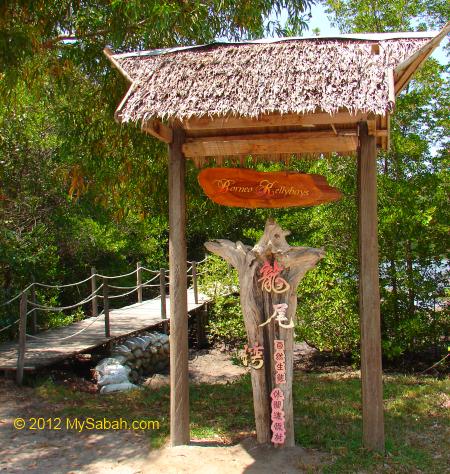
22	338
179	379
369	294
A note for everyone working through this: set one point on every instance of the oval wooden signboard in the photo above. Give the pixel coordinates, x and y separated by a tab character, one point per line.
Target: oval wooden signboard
241	187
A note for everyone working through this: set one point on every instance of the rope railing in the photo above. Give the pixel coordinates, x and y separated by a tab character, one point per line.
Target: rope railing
62	286
93	298
162	275
54	339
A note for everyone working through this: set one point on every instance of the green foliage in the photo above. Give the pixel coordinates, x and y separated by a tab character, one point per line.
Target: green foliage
220	282
77	190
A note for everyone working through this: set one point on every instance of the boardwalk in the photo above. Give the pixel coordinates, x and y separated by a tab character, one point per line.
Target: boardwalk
123	321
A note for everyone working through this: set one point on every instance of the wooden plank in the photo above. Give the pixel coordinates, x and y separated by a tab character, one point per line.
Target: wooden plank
179	375
369	294
272	120
158	130
268	143
22	338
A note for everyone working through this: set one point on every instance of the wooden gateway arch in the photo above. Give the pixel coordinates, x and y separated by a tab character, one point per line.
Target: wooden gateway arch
272	99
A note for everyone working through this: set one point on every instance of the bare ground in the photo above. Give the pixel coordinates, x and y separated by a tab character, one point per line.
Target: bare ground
67	451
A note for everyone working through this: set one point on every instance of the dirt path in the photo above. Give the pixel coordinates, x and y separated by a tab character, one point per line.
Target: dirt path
68	451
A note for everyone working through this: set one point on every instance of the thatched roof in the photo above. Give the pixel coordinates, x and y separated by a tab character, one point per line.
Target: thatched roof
353	72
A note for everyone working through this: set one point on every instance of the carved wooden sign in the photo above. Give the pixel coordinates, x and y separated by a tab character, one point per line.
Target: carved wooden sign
269	274
242	187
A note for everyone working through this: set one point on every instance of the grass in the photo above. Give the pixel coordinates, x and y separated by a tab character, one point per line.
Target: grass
327	411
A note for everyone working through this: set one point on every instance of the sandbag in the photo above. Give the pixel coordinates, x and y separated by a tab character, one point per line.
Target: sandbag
107	364
118	387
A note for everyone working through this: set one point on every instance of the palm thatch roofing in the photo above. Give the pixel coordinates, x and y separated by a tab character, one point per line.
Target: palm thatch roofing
354	74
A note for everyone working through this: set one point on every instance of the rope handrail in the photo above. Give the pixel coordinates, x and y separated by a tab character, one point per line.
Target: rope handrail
148	270
63	286
61	308
135	286
198	263
67	337
108	277
120	296
9	326
17	296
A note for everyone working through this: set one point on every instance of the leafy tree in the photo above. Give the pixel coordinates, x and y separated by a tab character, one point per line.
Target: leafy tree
75	188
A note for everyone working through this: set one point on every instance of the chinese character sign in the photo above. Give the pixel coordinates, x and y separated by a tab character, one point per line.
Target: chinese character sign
277	417
253	356
271	279
280	362
279	314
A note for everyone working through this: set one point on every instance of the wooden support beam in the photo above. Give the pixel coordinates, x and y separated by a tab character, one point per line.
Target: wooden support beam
179	378
272	120
93	290
139	282
106	308
22	338
268	143
404	72
158	130
162	292
369	294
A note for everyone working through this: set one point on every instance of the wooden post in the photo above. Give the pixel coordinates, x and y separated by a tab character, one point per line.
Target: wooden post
179	379
93	290
139	282
369	294
22	338
162	292
201	322
106	308
33	328
194	281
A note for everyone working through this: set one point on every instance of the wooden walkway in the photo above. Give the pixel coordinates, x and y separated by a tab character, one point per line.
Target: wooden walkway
123	321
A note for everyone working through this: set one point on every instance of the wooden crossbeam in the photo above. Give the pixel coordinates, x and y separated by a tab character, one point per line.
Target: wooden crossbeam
268	143
272	120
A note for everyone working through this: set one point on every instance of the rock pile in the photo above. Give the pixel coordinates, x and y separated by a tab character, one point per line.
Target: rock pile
141	355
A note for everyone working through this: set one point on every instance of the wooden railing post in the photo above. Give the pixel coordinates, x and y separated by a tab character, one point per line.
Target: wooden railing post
162	291
194	281
106	308
34	313
139	282
22	338
93	290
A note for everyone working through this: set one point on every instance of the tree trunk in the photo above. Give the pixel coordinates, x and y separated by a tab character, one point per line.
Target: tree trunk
259	292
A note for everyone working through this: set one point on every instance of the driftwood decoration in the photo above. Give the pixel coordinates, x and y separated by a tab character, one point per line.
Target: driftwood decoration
269	274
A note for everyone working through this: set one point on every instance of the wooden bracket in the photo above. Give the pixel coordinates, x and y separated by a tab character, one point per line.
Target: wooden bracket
158	130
